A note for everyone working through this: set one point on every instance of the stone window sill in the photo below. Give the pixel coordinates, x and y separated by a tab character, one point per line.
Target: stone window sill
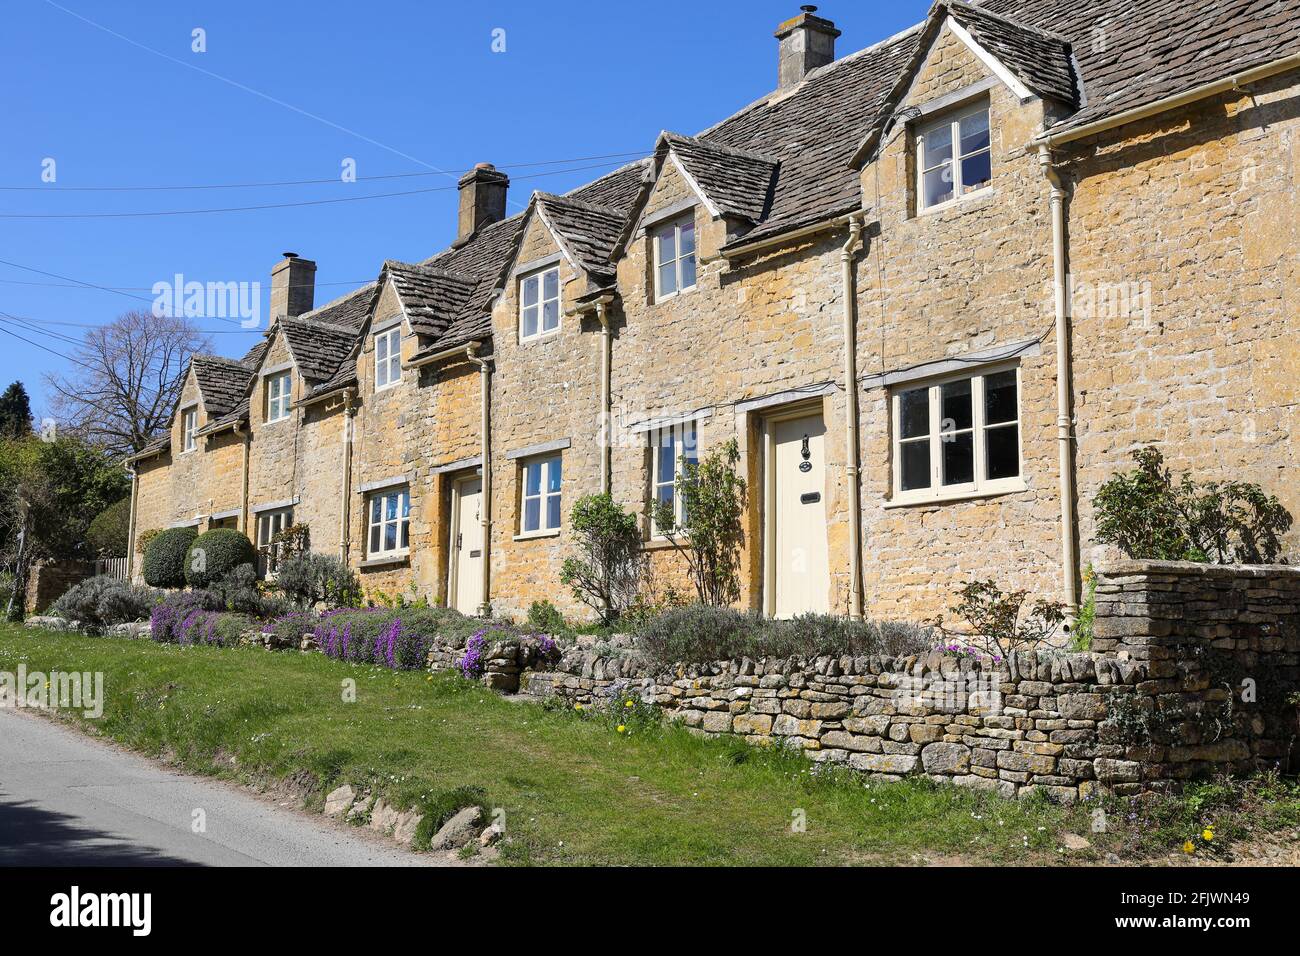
1011	488
383	560
534	535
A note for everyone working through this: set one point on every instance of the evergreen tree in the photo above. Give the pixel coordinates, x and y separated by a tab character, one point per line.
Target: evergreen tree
15	412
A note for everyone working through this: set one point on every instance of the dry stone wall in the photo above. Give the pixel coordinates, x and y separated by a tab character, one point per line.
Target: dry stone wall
1192	673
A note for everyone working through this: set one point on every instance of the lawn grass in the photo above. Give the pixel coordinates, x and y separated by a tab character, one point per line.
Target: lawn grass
573	790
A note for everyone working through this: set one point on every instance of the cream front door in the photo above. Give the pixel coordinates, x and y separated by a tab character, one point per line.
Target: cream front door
467	547
799	571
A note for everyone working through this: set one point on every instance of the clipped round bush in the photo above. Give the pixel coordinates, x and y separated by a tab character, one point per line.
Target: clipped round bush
215	554
164	557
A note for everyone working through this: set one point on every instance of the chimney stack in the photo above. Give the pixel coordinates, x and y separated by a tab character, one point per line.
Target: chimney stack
293	286
807	42
482	200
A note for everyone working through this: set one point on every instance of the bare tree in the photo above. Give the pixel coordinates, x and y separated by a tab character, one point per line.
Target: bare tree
126	379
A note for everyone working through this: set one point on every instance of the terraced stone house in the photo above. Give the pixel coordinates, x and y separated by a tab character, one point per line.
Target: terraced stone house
937	289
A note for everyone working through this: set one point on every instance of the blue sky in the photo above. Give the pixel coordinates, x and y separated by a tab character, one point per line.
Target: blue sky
397	87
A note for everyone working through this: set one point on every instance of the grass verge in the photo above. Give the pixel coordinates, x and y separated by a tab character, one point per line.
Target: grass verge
573	790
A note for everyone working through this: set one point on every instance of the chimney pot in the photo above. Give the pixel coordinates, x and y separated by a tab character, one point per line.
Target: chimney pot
482	200
293	286
806	42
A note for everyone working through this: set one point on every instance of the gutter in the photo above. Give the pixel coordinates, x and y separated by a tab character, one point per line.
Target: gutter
605	438
1064	389
345	496
448	353
243	478
851	413
1205	91
784	238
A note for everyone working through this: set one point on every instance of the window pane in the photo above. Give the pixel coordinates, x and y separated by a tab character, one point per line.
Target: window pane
374	539
938	186
667	278
667	456
553	511
381	349
550	315
955	406
530	321
916	465
664	493
975	132
688	271
390	537
530	290
688	237
533	479
406	534
938	146
406	504
976	171
532	514
690	443
553	473
390	507
551	284
374	510
394	368
1000	397
958	459
914	413
667	245
1003	451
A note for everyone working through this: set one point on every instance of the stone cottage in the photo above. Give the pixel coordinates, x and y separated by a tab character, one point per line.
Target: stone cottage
937	290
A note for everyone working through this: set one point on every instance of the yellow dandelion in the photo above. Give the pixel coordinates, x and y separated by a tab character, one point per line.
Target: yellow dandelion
1208	833
1188	847
628	704
621	728
577	707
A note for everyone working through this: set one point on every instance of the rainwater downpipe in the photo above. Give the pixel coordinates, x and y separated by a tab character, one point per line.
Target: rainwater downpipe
1060	279
851	414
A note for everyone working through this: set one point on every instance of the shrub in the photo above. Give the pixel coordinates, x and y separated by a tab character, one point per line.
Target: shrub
110	530
701	633
101	601
607	572
1000	626
164	557
393	637
182	619
309	579
712	495
545	618
215	554
1150	516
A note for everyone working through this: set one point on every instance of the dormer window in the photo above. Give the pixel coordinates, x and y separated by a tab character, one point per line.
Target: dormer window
388	357
189	425
278	387
539	303
674	252
953	156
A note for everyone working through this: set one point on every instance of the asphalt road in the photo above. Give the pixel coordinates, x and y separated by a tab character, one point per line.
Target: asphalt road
70	800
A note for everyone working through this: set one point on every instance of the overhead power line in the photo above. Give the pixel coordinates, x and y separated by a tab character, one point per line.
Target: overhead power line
279	205
336	180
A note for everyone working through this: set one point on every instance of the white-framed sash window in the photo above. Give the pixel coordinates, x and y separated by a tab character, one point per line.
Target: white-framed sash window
389	523
674	256
674	447
953	156
539	303
278	390
189	426
957	437
388	357
539	506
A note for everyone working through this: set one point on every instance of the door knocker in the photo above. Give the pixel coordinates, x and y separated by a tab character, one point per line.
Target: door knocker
805	466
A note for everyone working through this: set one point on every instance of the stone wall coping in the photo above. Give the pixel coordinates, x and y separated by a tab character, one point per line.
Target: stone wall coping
1130	568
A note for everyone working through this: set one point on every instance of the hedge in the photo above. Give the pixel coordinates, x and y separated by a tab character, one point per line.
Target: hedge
214	554
164	557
